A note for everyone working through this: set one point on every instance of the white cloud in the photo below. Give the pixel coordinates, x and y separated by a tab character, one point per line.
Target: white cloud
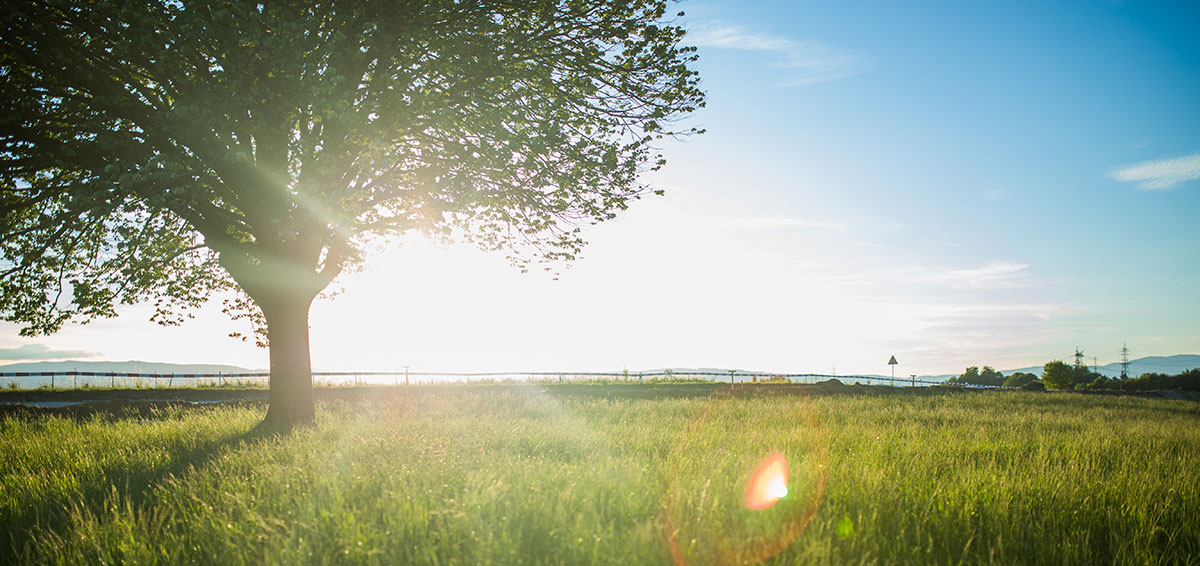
1160	174
806	62
738	223
943	241
1144	142
995	332
995	274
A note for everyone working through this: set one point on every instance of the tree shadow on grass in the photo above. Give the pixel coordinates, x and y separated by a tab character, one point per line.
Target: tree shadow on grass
135	487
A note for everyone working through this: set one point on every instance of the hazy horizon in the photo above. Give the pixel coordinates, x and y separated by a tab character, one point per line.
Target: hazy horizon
1172	364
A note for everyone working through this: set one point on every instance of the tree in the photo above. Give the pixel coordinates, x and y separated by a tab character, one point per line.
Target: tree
1057	375
969	376
972	376
989	376
1017	379
166	151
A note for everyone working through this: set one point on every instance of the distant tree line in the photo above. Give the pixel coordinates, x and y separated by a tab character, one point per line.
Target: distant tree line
1187	381
990	377
1062	376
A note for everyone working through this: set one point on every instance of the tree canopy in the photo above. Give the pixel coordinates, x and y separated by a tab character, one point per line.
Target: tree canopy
1058	375
1019	378
160	150
973	376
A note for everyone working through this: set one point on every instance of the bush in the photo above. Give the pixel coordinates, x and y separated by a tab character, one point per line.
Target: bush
1034	386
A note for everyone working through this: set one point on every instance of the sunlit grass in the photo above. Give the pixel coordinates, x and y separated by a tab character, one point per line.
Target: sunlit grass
539	474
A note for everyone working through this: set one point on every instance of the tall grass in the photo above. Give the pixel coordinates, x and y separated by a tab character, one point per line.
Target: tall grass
545	474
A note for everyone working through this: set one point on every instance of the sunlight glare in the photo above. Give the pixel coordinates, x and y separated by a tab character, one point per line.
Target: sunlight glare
768	483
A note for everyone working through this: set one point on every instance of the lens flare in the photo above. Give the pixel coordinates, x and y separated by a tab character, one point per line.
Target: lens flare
732	498
768	483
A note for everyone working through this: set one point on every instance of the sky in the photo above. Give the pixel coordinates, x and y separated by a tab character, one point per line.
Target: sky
951	183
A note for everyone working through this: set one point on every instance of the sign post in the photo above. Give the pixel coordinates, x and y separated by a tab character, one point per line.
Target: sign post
892	362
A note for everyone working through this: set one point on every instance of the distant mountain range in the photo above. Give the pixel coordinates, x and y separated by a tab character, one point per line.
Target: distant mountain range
1169	365
132	366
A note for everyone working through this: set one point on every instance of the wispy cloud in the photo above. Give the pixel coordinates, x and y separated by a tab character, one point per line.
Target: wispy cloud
1144	142
995	333
736	223
995	274
41	352
805	62
943	241
1160	174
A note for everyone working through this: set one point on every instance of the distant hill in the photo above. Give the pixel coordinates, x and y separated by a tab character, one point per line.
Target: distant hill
1169	365
123	367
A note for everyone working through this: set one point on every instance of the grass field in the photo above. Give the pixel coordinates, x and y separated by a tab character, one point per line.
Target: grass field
613	474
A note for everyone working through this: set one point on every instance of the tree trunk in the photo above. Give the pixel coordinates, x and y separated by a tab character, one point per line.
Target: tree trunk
291	394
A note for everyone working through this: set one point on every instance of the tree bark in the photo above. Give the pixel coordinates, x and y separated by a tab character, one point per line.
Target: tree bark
291	391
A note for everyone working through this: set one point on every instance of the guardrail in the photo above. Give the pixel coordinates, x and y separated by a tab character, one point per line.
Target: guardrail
77	379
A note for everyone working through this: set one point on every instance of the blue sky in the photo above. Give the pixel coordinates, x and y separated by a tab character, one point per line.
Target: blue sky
1009	138
954	183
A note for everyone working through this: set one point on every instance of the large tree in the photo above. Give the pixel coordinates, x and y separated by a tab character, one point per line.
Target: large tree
165	150
1058	375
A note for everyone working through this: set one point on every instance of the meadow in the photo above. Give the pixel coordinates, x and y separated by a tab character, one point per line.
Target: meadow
612	474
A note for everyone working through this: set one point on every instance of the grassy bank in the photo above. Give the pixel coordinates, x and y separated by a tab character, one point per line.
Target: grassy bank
559	475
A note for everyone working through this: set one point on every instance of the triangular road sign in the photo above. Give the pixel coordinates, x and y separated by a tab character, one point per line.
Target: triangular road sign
893	361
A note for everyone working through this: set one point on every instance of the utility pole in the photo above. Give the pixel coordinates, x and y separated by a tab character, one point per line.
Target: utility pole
1124	361
405	375
1078	357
